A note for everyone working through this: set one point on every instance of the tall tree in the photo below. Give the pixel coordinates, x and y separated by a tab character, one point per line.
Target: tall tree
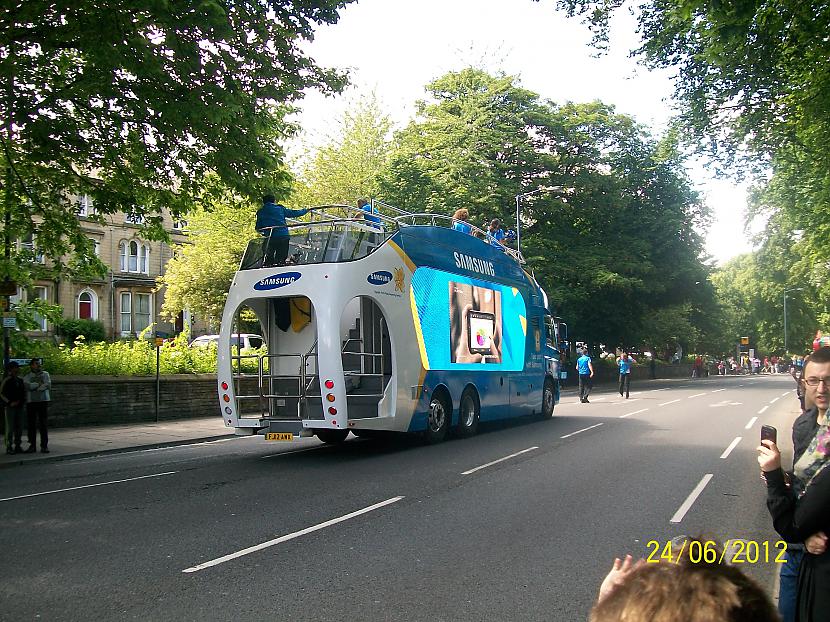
348	165
134	102
199	275
615	243
753	84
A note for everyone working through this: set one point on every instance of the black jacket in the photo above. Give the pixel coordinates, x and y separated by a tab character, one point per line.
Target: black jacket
795	521
804	430
13	390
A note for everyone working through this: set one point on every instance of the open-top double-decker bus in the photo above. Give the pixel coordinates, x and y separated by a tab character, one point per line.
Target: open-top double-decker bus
394	323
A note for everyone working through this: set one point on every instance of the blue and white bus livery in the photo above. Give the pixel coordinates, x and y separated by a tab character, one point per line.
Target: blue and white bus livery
407	327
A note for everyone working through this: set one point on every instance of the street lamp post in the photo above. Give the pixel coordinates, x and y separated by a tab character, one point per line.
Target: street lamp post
795	289
518	198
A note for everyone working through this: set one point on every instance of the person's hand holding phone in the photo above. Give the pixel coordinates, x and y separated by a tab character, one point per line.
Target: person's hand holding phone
769	456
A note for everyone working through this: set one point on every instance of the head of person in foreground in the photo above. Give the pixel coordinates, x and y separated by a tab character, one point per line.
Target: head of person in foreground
685	592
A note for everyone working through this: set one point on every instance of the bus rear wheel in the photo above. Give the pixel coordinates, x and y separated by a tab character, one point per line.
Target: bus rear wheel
332	437
548	399
468	414
438	418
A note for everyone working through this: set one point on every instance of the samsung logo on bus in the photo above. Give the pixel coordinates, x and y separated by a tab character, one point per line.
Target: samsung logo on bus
379	278
277	280
474	264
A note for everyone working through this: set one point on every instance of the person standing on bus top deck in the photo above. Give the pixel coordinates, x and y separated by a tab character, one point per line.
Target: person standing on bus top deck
495	234
625	361
270	223
586	371
370	218
460	219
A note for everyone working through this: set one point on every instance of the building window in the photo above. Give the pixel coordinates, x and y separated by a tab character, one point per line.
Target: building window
87	305
135	257
28	245
85	206
136	312
142	312
126	314
96	246
40	293
134	219
180	225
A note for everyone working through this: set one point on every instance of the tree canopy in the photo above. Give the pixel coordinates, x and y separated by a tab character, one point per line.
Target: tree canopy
613	242
135	103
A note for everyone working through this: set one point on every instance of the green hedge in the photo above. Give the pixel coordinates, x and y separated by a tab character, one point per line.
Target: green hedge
135	357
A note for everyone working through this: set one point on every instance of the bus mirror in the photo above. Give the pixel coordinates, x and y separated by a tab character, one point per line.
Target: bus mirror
563	332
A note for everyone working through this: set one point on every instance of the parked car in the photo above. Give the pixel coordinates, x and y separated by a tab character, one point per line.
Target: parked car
243	341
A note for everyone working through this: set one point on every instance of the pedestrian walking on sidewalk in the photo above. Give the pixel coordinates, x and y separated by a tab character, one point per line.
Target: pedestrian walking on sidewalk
38	387
13	394
586	371
625	361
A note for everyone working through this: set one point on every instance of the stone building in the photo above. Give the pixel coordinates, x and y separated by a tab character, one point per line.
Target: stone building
126	300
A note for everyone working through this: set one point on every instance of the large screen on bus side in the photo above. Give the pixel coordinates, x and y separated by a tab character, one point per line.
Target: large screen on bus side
467	323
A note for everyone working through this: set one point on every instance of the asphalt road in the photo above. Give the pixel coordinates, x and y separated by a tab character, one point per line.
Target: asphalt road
518	523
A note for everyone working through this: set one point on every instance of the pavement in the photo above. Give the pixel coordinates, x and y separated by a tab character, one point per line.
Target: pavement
67	443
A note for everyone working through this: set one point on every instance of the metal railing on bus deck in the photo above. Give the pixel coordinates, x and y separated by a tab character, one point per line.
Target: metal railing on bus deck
441	220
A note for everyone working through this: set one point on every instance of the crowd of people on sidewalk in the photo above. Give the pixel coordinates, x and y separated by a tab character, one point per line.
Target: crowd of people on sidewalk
27	397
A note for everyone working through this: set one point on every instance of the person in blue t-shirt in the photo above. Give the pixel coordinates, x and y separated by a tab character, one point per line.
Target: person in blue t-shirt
370	218
460	219
495	234
586	371
625	362
270	223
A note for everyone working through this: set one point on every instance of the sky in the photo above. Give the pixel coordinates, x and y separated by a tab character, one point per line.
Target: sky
395	47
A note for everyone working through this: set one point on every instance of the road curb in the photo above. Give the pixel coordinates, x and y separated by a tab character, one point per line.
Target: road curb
118	450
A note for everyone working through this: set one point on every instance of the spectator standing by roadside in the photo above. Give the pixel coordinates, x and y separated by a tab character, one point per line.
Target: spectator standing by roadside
13	394
625	361
806	431
586	371
38	388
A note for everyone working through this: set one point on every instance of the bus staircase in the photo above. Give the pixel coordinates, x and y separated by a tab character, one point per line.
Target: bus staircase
294	397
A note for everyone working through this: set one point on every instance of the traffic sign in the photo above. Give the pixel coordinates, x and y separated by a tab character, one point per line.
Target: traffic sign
9	319
744	341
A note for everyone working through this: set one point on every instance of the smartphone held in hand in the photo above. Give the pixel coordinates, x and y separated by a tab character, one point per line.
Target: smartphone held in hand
769	433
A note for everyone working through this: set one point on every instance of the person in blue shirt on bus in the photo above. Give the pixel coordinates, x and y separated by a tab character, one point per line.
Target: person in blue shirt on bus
624	361
270	223
586	371
495	234
460	219
370	218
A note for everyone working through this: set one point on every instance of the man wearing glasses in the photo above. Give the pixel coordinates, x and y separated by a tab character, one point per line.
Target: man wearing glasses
815	387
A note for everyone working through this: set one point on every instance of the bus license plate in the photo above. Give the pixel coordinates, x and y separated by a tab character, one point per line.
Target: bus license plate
279	436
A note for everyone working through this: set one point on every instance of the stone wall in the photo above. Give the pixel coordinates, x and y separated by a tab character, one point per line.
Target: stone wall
94	400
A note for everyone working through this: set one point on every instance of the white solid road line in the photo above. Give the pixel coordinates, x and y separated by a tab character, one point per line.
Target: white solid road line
117	481
667	403
716	390
642	410
695	395
484	466
681	511
751	423
590	427
290	536
729	449
761	412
